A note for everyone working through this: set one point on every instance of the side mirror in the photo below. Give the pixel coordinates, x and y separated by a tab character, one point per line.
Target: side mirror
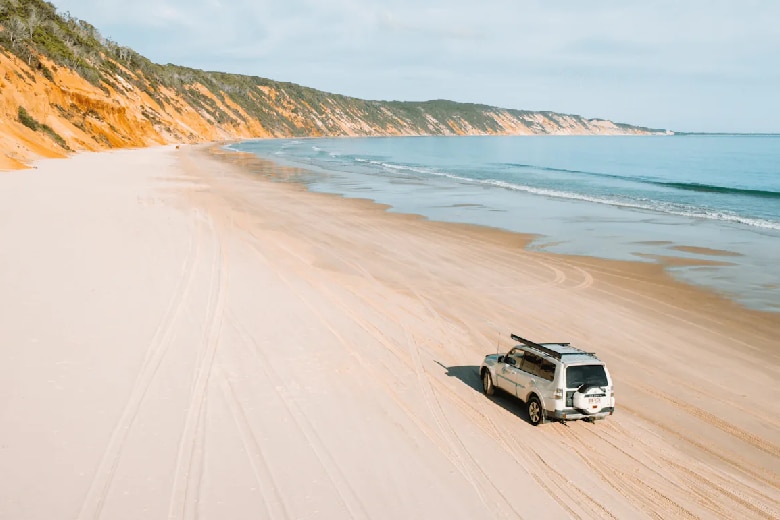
500	359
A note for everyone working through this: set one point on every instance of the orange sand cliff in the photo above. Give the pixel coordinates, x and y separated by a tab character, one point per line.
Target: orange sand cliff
121	114
89	119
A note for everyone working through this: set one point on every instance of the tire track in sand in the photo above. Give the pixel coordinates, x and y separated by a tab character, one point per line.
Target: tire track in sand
349	498
272	497
636	490
466	462
712	489
715	421
449	432
459	456
692	438
187	475
92	506
713	500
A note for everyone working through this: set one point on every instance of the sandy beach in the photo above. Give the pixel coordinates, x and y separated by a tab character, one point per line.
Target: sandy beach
180	338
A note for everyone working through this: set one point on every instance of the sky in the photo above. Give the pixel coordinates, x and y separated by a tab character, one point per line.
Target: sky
684	65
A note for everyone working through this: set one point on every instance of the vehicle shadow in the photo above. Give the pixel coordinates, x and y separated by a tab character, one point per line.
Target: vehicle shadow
469	376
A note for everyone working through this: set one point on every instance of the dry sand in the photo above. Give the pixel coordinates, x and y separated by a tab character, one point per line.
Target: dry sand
179	339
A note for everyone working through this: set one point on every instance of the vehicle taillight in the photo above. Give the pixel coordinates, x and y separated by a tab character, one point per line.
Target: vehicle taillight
558	393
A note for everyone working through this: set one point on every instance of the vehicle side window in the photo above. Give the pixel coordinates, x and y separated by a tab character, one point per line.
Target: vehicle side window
531	364
547	369
514	358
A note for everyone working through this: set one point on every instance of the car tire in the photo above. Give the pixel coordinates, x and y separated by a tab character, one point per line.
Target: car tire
487	383
535	411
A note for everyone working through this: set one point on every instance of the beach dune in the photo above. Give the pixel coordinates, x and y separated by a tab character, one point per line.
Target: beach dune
182	337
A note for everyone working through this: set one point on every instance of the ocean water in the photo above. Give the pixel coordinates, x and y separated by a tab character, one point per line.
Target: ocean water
707	207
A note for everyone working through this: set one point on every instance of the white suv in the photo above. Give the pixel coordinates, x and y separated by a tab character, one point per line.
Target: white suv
555	380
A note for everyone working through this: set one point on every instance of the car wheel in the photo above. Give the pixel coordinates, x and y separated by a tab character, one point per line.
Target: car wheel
487	383
535	412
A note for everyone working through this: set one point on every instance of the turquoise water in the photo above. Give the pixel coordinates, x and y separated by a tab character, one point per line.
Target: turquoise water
629	198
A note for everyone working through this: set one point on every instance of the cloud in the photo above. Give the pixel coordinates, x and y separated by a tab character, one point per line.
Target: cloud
434	24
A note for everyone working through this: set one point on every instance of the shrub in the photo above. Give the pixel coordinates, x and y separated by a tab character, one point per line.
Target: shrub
27	120
46	72
57	138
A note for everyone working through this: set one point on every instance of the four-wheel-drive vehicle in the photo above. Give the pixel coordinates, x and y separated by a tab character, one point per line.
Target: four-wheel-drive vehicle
555	380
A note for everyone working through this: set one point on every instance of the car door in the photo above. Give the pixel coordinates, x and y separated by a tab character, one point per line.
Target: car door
506	375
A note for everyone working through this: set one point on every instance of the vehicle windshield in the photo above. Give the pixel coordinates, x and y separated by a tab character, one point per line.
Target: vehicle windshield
577	376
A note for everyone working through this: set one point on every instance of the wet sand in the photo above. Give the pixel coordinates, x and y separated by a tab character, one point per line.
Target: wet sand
182	338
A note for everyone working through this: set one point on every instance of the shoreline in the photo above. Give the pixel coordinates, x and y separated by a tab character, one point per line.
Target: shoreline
252	164
182	337
689	245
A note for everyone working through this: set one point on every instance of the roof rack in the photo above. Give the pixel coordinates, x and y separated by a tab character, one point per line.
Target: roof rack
552	352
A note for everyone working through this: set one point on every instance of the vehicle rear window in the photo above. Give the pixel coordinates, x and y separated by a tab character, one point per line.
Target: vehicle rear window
577	376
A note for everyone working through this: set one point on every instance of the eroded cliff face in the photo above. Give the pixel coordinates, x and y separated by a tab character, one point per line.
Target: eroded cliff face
90	118
61	112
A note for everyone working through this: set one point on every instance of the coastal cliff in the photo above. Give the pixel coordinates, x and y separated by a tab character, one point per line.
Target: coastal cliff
66	88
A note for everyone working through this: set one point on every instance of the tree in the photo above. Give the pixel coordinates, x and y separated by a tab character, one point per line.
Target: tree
17	31
33	21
